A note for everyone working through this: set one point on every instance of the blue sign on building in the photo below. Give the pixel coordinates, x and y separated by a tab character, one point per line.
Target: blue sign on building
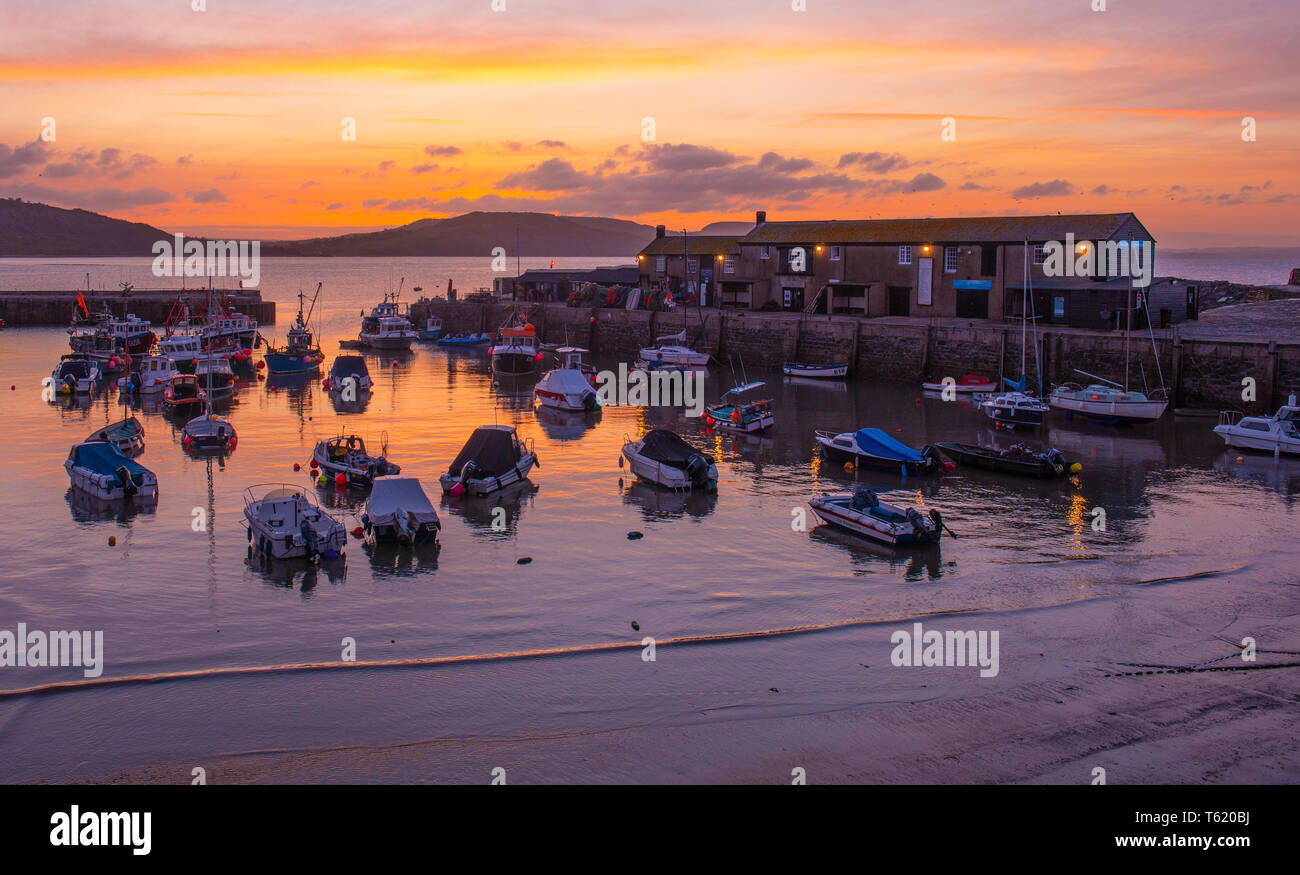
973	285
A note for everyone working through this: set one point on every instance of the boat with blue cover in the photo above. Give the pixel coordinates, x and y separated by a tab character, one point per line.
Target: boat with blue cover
102	470
465	340
874	448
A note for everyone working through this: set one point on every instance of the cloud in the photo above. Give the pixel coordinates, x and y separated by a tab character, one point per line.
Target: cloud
1102	190
17	160
370	203
876	162
334	206
973	186
424	168
773	161
385	166
441	151
551	144
1055	188
185	159
554	174
211	196
684	156
99	200
62	170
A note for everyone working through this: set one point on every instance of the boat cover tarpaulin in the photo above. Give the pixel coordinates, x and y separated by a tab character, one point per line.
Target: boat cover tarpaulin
877	443
668	447
393	494
349	366
567	381
105	458
492	448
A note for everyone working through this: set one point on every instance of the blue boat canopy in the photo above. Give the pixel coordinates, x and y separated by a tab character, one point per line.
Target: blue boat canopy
105	458
877	443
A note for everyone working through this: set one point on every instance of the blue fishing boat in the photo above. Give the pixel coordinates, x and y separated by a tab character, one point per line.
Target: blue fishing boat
102	470
734	414
876	449
432	329
466	340
300	354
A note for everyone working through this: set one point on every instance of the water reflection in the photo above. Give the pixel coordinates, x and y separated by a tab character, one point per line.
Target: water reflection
1281	474
867	557
302	573
87	508
566	425
657	502
395	560
495	516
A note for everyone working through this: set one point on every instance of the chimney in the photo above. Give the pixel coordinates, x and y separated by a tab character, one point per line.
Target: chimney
659	231
760	218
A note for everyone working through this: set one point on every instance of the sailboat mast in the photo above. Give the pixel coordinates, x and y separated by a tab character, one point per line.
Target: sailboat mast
1129	308
1024	308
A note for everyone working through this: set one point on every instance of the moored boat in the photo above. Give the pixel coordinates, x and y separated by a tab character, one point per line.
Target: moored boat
284	523
466	340
348	370
1015	410
102	470
184	393
399	512
816	372
567	387
387	327
347	455
673	354
125	434
155	372
300	354
734	414
208	433
432	329
1017	459
515	351
663	458
493	458
967	384
1275	434
184	349
874	448
76	375
215	376
1109	404
863	513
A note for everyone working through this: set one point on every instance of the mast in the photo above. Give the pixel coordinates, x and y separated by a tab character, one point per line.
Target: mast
1024	308
1129	308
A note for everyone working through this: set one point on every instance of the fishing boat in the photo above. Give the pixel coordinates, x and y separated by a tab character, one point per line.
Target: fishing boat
125	434
347	455
183	349
386	326
215	376
1110	404
876	449
300	354
228	326
664	459
76	375
815	372
966	385
183	392
733	414
466	340
1015	410
155	372
399	512
567	387
1274	434
493	458
102	470
671	350
345	368
284	523
432	329
515	351
863	513
208	432
1017	459
131	335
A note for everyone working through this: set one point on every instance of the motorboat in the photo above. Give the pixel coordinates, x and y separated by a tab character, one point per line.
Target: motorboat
493	458
155	372
432	329
671	350
567	387
284	523
399	512
300	353
183	349
348	368
515	351
1017	459
481	339
966	385
1107	403
732	413
346	455
863	513
1275	434
183	392
131	335
208	433
663	458
102	470
1015	410
76	375
876	449
228	326
387	327
815	372
215	376
125	434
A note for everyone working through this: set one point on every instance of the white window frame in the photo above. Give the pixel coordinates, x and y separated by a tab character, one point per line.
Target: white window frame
951	253
1040	255
729	264
660	263
692	264
835	253
763	253
905	254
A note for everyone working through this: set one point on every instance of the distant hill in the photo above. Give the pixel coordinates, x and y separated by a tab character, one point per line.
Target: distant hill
38	229
724	229
478	233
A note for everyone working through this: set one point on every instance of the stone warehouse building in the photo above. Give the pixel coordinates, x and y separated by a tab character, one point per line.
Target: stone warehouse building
962	267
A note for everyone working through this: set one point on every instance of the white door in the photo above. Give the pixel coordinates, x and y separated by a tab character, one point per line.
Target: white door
924	279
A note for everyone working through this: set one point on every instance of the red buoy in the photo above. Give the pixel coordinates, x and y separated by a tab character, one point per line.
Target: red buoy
341	479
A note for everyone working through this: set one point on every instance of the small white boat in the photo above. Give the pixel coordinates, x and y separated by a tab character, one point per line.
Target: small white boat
100	469
284	523
567	387
1109	404
215	376
493	458
76	375
863	513
733	414
677	353
817	372
1275	434
1015	410
346	455
125	434
515	351
156	371
664	459
399	512
432	329
183	349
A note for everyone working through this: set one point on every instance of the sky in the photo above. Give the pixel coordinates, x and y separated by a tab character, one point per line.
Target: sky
233	119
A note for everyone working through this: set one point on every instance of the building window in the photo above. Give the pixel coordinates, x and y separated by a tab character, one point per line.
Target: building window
762	252
729	264
950	259
905	255
835	253
692	264
659	263
1040	255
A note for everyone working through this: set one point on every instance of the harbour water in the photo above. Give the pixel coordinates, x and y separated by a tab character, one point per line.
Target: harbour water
171	596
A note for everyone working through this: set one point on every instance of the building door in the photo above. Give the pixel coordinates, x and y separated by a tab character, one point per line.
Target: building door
792	298
900	300
924	280
1193	308
972	304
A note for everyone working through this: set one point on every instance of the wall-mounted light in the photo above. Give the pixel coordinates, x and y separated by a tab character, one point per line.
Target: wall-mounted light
1081	248
926	249
719	258
819	248
640	258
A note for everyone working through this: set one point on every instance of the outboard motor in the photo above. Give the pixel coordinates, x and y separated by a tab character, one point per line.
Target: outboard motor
467	471
309	538
402	527
1056	460
589	402
697	468
128	485
932	458
937	519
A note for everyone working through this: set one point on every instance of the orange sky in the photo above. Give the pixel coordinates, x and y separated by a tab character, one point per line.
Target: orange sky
229	120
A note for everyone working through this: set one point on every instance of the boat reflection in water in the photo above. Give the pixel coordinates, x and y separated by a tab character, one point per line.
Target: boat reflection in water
396	560
916	563
350	401
656	502
564	425
495	515
87	508
1281	474
302	572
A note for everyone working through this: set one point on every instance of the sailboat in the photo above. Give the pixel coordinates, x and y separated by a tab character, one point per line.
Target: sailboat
1109	402
1018	408
208	432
